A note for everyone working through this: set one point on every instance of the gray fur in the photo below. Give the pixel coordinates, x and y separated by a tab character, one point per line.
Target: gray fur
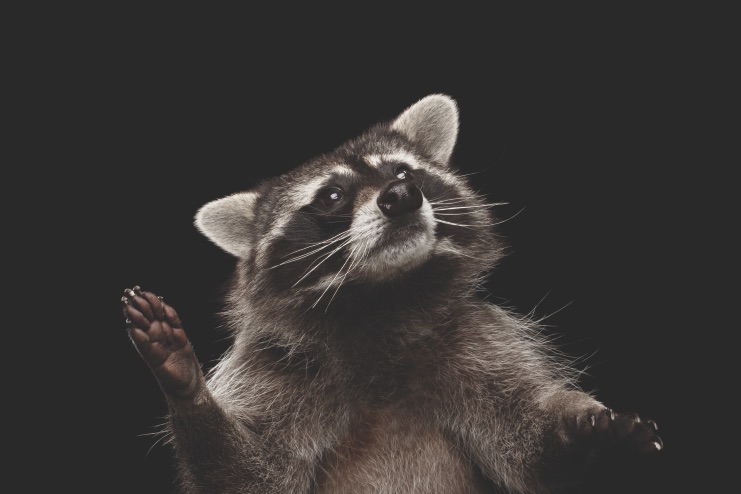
341	379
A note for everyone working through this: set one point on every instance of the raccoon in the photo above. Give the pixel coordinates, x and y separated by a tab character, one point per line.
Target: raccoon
364	358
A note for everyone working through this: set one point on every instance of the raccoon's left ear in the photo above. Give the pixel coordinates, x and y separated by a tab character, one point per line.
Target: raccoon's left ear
229	222
431	122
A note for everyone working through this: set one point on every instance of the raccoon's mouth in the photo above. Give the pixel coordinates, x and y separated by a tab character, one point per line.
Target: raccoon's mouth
402	227
403	245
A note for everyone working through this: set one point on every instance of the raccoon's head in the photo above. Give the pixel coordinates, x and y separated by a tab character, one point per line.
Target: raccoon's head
382	208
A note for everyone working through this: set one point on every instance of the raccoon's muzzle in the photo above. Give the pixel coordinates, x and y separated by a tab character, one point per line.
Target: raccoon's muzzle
399	197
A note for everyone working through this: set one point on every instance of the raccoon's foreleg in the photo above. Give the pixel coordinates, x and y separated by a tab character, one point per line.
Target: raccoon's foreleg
585	428
215	452
541	443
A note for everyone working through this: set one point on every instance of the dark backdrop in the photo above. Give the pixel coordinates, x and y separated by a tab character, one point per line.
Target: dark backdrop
588	130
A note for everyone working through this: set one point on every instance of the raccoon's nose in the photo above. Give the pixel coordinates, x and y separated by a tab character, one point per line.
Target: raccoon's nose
399	197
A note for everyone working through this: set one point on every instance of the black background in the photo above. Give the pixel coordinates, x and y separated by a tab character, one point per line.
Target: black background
591	125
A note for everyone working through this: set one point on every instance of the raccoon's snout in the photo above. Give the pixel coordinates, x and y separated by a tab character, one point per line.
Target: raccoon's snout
399	197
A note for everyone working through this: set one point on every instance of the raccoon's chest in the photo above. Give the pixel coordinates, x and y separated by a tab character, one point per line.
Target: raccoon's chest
388	364
396	450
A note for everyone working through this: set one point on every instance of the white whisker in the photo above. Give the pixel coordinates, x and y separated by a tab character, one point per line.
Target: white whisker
333	279
308	254
447	201
474	206
454	224
450	214
326	256
325	243
471	173
438	220
349	268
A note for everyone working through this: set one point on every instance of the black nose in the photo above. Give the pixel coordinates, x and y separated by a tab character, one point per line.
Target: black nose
399	197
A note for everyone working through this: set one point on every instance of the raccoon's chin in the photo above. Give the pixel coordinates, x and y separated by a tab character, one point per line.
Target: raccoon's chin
407	251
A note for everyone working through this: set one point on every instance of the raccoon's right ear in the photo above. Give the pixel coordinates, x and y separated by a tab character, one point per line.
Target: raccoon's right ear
228	222
431	122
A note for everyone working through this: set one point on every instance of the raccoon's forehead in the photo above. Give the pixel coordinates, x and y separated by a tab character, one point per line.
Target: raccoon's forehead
375	160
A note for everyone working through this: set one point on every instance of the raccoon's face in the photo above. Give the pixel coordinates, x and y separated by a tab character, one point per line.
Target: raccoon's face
376	209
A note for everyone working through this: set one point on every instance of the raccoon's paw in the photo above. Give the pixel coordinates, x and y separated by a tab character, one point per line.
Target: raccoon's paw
157	333
599	427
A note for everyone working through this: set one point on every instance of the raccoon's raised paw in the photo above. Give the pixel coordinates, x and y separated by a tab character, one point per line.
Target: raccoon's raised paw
157	333
600	427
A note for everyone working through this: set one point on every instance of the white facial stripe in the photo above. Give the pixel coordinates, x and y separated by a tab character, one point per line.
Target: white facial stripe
343	170
276	232
305	193
403	157
375	160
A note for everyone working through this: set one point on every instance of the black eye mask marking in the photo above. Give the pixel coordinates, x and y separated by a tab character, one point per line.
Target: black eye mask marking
330	197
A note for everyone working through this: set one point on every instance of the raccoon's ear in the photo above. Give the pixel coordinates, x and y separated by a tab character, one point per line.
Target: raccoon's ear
433	123
228	222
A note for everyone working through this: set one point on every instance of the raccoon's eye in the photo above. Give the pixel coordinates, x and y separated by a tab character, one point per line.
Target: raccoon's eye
403	173
330	197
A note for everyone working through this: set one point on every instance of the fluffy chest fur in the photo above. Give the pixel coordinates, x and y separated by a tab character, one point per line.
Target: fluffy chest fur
393	449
